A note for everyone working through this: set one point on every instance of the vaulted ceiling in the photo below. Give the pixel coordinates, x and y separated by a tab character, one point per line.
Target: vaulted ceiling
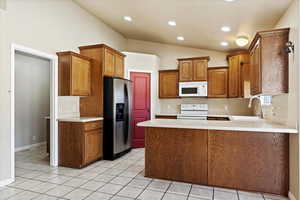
198	21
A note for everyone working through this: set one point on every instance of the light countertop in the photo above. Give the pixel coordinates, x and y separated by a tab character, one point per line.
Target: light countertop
232	125
80	119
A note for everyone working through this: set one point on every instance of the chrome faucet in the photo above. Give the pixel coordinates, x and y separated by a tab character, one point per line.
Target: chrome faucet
252	98
250	104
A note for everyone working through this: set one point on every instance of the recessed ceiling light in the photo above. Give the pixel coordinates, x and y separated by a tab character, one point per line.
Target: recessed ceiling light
242	41
180	38
128	18
172	23
226	29
229	0
224	44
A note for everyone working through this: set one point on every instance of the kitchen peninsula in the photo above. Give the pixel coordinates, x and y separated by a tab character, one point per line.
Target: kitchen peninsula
248	155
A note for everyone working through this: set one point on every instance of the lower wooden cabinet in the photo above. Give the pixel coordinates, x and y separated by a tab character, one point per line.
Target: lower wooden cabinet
80	143
218	82
249	161
165	116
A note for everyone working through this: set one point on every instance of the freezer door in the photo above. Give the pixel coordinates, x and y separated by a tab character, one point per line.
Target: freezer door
122	115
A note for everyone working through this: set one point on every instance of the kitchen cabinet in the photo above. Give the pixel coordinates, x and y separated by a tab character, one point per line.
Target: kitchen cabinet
80	143
218	82
193	69
176	154
269	62
165	116
249	161
236	76
74	74
107	62
239	160
119	66
168	84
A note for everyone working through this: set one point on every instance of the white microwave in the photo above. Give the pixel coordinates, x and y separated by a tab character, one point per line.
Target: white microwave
193	89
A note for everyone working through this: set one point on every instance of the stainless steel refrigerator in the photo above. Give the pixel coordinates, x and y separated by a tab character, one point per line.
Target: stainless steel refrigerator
117	136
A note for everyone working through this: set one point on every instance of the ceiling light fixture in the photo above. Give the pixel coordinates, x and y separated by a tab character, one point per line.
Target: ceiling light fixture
242	41
224	44
226	29
229	0
180	38
172	23
128	18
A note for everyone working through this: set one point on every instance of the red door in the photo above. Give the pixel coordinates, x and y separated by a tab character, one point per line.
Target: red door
141	105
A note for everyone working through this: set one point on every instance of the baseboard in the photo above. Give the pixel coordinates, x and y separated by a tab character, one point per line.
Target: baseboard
6	182
291	196
29	146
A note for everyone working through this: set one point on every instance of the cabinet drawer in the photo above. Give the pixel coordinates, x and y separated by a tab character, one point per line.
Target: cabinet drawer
93	125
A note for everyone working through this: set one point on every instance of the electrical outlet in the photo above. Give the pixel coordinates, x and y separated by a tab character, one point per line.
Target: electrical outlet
266	100
34	138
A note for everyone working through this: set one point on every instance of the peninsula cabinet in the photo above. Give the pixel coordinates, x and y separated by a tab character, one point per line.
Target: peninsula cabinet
237	61
80	143
168	84
74	74
218	82
269	62
193	69
250	161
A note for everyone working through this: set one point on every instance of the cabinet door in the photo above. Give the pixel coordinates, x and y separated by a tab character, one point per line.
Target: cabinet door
218	83
249	161
80	77
92	146
119	66
255	62
200	70
109	63
168	84
234	82
186	70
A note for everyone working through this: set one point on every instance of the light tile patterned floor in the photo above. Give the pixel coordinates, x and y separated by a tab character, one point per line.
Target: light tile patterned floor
121	179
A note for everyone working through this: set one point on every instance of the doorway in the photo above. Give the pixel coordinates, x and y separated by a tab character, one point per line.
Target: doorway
141	95
29	106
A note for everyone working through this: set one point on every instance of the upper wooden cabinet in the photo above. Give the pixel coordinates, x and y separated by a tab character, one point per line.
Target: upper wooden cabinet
218	82
193	69
111	59
168	84
74	74
119	66
107	62
235	74
269	62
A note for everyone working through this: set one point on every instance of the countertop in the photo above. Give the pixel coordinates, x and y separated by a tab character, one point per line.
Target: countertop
232	125
80	119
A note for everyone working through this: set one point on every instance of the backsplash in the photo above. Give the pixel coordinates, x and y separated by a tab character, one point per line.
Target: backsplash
68	106
215	106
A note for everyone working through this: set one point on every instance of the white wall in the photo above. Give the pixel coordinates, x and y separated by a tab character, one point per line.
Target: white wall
49	26
32	99
169	54
145	63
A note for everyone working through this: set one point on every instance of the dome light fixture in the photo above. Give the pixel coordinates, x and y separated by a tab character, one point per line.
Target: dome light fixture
242	41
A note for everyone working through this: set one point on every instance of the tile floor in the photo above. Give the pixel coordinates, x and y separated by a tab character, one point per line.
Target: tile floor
121	179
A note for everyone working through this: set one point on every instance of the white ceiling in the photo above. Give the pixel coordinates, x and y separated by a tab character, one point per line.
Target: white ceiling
199	21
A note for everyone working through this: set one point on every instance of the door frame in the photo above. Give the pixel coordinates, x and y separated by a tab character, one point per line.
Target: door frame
53	102
151	86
